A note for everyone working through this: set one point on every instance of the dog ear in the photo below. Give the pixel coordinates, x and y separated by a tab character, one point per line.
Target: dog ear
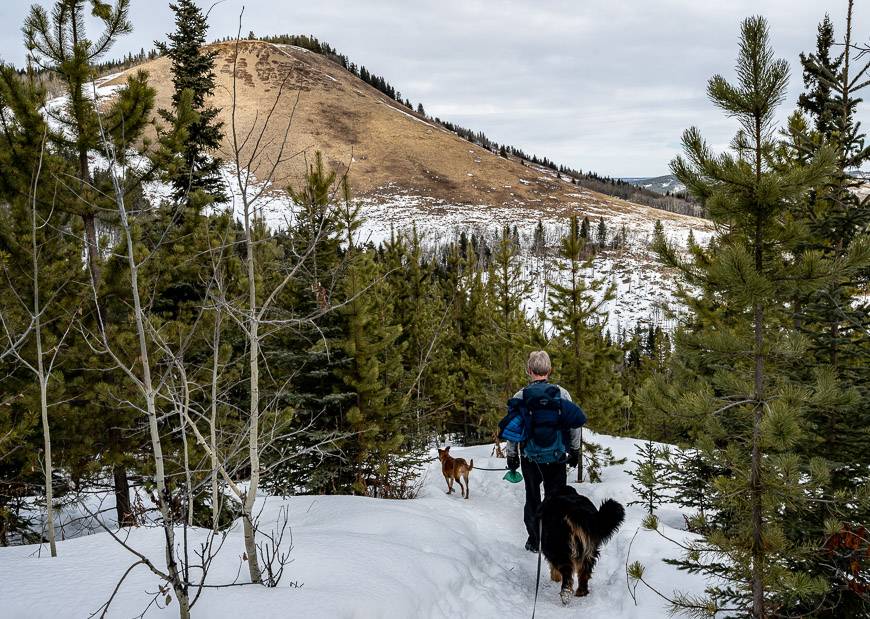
446	449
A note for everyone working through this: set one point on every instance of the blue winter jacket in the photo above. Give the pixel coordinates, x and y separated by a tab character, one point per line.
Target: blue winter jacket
572	416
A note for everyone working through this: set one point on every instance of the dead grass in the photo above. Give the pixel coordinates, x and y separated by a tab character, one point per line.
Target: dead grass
388	147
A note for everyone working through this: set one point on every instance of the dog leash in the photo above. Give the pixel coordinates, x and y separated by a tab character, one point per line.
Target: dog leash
540	531
476	468
538	577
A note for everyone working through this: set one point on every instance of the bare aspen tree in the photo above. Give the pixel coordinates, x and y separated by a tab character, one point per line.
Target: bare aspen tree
141	377
250	191
247	153
42	376
213	420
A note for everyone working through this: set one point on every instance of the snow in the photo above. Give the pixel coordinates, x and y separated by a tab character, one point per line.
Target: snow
55	110
282	47
433	556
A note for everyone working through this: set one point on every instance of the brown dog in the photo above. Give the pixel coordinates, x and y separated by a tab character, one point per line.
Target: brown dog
455	469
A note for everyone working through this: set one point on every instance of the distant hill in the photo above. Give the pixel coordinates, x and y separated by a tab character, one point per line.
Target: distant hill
390	148
667	184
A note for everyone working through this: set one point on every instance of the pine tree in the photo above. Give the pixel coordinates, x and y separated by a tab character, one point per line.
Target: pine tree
193	72
621	240
650	474
316	219
315	405
832	315
751	408
423	310
40	294
584	229
836	217
659	238
586	362
690	478
818	71
595	458
647	352
58	43
478	357
601	233
374	376
510	289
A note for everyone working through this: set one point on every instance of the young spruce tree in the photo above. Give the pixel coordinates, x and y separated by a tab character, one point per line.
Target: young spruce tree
193	72
512	335
833	318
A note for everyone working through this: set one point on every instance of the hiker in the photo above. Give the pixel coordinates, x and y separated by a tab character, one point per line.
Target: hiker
552	429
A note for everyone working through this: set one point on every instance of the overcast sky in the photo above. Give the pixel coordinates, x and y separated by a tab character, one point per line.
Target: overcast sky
601	85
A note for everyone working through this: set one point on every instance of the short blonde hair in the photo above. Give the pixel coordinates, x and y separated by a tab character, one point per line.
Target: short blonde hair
539	363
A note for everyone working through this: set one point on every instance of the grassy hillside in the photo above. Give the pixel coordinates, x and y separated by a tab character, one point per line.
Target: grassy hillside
389	149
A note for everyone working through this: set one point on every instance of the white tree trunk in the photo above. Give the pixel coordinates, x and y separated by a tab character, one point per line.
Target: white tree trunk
253	437
46	437
215	369
150	394
41	375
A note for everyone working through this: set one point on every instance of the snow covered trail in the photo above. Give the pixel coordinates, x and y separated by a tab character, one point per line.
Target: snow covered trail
435	556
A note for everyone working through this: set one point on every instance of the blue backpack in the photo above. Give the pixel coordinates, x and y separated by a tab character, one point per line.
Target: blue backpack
535	422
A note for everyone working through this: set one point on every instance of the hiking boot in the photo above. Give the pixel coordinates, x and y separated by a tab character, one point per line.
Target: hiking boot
532	545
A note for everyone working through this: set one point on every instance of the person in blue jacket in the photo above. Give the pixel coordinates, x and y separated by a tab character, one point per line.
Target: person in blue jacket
553	424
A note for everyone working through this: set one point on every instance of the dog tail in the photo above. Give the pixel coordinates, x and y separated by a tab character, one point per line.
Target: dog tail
471	464
610	516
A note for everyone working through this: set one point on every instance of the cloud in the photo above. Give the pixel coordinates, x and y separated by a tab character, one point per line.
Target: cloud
596	84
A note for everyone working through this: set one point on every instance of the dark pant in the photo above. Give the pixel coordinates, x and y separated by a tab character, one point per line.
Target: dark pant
553	476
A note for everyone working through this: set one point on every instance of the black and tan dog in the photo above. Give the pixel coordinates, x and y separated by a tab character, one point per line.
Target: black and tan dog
572	533
455	469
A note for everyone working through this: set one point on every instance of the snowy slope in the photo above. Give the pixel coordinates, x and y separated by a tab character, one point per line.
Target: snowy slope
434	556
644	289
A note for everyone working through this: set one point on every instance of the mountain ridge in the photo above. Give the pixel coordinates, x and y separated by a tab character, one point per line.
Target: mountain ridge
666	184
